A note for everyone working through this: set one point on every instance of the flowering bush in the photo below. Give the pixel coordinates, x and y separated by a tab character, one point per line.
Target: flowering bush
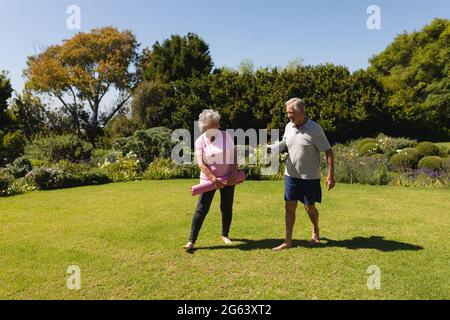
165	168
5	183
421	178
363	170
125	168
352	166
369	149
390	145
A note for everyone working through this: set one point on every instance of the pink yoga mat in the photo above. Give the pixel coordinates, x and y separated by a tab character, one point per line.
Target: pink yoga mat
209	186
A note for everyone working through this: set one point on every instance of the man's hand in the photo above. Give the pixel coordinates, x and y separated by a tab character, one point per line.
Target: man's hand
330	183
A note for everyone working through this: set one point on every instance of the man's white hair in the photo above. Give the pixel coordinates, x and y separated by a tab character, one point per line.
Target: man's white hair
297	103
206	117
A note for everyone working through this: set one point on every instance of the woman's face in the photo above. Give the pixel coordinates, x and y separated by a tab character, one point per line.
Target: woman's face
213	128
214	125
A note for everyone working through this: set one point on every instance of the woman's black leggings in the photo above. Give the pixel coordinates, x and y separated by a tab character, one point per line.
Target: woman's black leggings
203	204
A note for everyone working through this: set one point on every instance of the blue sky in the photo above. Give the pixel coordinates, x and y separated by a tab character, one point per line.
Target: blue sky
270	33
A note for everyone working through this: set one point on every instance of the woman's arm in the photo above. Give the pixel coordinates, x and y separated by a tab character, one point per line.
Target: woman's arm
204	168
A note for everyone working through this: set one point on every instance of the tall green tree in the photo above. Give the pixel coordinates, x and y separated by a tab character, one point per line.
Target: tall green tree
6	91
415	71
30	114
179	57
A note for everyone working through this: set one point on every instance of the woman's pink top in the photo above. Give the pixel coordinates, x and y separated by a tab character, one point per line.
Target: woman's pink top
212	153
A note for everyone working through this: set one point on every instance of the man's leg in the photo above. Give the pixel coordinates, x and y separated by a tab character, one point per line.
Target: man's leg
313	214
290	207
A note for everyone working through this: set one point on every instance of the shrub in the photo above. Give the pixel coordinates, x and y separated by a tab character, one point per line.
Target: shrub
187	171
428	149
94	177
390	145
100	156
56	178
5	183
362	142
405	159
39	163
160	169
56	148
12	146
446	165
20	167
379	156
147	144
413	153
363	170
165	168
252	171
20	186
71	167
421	178
49	179
401	161
126	168
443	151
369	148
430	162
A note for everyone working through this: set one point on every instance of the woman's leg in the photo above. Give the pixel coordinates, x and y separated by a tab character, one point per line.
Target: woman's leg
203	204
226	206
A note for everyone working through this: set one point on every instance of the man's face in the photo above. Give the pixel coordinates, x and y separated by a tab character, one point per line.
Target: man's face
294	115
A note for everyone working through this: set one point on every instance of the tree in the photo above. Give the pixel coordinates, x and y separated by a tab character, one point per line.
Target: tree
177	58
5	94
80	72
30	114
147	105
415	71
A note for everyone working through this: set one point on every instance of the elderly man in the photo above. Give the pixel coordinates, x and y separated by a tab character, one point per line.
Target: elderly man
304	140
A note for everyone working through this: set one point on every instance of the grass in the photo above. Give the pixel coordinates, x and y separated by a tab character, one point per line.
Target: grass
126	238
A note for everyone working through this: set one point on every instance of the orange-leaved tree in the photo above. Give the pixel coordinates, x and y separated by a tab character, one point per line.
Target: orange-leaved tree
81	71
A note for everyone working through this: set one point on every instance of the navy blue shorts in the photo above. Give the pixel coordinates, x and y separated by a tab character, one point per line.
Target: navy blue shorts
307	191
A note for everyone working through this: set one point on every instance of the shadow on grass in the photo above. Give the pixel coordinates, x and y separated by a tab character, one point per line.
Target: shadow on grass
373	242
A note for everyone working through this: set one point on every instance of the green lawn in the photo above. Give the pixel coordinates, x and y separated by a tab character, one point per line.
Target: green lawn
127	239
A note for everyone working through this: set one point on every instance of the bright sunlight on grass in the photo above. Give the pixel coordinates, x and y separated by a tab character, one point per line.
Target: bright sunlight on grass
127	237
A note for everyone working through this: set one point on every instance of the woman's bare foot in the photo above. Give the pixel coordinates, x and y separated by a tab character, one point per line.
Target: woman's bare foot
283	246
227	240
189	246
315	237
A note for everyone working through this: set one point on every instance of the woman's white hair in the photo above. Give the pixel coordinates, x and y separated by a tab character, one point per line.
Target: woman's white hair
206	117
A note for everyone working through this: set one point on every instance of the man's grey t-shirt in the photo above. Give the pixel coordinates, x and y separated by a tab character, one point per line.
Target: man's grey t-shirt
304	145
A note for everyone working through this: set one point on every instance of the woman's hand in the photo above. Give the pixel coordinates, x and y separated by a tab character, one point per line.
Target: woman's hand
231	181
219	184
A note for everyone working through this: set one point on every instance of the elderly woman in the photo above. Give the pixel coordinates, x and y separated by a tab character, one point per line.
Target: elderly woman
216	156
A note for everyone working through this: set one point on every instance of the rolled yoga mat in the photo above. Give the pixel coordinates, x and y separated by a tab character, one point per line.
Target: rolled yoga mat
210	186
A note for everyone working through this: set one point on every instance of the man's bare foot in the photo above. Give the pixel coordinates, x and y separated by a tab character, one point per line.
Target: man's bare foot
283	246
315	238
227	240
189	246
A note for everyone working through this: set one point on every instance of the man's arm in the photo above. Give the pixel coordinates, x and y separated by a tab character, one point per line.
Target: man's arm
330	183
